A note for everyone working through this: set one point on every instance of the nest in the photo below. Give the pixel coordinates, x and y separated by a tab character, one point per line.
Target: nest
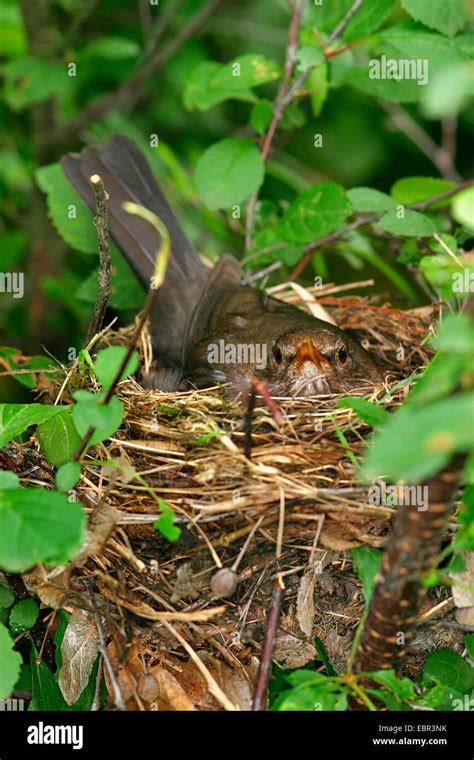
291	510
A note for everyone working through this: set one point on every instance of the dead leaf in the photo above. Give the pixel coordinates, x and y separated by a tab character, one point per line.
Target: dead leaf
305	601
79	650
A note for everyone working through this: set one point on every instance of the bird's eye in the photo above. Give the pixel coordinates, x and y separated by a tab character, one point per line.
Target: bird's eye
277	354
342	354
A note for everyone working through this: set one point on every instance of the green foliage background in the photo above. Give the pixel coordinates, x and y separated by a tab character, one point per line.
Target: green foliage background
210	124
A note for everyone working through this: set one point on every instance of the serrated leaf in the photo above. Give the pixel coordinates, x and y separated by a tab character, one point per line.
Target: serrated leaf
228	173
367	19
317	211
58	438
449	669
210	83
23	615
447	17
10	661
69	214
37	525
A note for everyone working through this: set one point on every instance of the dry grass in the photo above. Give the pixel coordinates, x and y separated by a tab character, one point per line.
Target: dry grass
301	484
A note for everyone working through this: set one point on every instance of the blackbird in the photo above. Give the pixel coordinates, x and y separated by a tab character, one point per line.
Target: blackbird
207	328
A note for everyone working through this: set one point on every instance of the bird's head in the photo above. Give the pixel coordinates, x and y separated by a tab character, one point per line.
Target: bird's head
311	362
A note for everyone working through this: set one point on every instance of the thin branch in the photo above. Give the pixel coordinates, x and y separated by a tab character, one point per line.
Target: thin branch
129	90
278	111
336	33
105	261
439	156
118	696
368	219
268	644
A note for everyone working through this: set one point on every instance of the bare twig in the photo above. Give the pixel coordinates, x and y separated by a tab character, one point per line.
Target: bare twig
336	33
268	644
439	156
118	696
105	262
278	111
248	422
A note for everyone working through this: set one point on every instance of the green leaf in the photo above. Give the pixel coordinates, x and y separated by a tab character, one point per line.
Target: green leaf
7	597
67	476
261	116
105	418
23	616
449	276
37	525
111	49
210	83
228	173
449	669
317	211
450	90
8	480
367	19
309	56
248	70
318	85
10	664
58	438
367	562
165	523
108	364
462	208
373	414
411	224
31	80
311	691
366	199
126	291
423	53
46	692
67	211
12	33
16	361
410	190
447	17
417	443
469	644
16	418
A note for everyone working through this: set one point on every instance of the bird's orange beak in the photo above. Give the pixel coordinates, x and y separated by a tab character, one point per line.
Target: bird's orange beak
307	351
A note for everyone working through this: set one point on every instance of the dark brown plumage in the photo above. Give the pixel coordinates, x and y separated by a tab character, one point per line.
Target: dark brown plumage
207	327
